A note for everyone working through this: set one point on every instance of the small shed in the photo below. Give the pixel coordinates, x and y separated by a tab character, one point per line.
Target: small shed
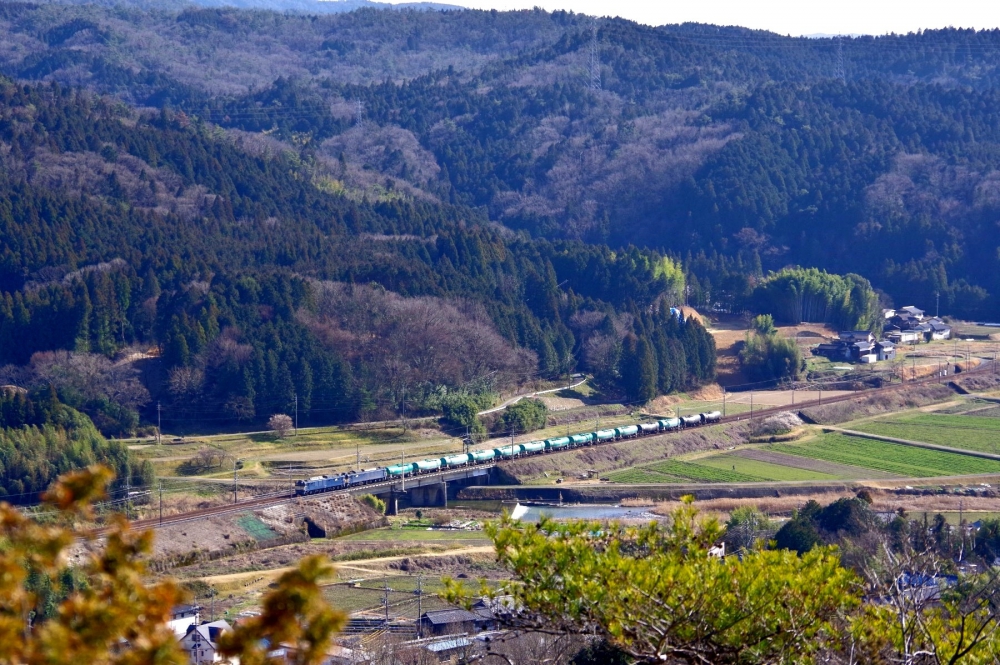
885	350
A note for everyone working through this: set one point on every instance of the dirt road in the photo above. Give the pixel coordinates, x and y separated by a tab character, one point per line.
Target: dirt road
358	564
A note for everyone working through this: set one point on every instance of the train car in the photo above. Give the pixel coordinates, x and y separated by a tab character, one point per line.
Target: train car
334	483
711	417
508	452
626	432
427	465
649	428
366	476
691	421
557	443
399	470
480	456
603	435
533	447
319	484
452	461
668	424
581	439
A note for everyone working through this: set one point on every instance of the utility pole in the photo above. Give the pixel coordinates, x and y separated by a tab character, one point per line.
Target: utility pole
128	493
296	414
161	501
236	482
357	449
157	423
385	600
420	593
724	401
937	304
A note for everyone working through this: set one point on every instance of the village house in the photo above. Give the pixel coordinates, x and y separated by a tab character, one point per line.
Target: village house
939	329
201	642
885	350
855	336
182	617
904	337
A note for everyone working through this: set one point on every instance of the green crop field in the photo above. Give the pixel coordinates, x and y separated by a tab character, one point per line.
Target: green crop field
970	432
763	470
697	472
641	476
889	457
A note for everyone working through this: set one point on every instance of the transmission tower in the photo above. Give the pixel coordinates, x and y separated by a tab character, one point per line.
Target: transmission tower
839	71
595	61
359	113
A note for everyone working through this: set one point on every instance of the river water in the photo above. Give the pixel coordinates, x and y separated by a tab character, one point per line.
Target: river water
532	513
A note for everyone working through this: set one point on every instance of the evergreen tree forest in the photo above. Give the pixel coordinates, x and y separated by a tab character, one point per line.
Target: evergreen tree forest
276	294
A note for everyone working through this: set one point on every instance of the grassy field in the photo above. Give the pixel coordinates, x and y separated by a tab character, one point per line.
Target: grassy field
970	432
763	470
368	594
893	458
675	471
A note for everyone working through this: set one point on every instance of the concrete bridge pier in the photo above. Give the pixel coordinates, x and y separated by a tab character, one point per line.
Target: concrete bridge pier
429	496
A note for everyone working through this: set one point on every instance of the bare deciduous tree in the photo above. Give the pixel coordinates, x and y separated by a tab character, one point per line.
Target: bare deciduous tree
280	424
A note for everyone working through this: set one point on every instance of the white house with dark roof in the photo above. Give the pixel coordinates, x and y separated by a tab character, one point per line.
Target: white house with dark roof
939	329
201	642
914	312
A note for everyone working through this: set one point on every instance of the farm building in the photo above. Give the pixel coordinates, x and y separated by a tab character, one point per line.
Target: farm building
885	350
450	622
854	336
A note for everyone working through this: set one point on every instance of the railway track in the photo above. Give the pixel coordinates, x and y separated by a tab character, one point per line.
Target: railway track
278	498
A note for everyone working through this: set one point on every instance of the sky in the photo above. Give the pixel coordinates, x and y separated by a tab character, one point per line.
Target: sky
792	17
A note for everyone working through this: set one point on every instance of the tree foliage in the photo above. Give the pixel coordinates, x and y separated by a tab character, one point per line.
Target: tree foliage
655	593
102	610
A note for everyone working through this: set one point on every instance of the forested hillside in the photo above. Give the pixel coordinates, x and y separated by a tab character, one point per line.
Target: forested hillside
748	150
131	236
376	209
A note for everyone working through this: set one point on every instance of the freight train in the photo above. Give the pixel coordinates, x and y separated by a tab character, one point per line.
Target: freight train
352	479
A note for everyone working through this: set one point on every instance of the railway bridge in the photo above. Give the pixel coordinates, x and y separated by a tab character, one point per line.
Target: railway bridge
426	490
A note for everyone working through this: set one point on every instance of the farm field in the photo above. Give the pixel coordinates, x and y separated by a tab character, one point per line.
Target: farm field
763	469
740	467
894	458
836	471
367	594
675	471
970	432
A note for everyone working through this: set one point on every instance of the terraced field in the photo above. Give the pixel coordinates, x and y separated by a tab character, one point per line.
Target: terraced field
969	432
888	457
